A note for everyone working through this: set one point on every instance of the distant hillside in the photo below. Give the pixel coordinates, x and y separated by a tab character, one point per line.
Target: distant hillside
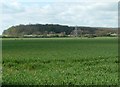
41	29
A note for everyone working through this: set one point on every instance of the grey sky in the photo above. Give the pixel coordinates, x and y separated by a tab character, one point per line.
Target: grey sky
102	13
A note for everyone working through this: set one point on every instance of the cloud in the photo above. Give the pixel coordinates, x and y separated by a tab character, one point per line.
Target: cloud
11	7
80	13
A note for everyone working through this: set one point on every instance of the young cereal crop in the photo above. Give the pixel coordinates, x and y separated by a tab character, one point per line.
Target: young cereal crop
60	61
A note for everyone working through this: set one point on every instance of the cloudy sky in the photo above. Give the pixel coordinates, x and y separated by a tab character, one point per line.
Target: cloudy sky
101	13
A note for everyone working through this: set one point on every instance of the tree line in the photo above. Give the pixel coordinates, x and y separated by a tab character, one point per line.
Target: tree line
56	30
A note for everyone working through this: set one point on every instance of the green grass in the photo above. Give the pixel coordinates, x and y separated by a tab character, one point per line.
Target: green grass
60	61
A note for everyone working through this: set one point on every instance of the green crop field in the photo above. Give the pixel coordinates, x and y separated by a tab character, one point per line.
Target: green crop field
60	61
